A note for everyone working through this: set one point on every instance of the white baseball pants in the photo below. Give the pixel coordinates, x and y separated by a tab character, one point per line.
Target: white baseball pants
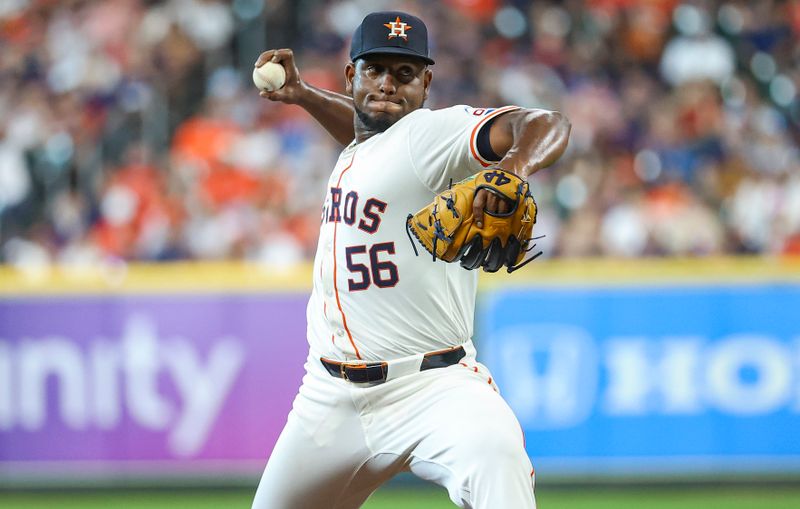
446	425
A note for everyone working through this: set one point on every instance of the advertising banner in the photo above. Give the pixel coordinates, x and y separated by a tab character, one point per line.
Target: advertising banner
674	379
147	382
633	380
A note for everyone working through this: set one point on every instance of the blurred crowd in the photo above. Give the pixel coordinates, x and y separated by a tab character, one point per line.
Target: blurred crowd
129	129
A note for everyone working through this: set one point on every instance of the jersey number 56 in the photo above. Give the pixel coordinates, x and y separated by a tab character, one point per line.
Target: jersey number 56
382	273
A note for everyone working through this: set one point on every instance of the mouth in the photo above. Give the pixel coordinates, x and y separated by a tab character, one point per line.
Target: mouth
384	105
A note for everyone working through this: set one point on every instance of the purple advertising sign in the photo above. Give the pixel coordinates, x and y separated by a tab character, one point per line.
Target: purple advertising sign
179	381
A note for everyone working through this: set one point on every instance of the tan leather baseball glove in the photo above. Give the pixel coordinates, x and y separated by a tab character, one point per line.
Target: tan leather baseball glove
446	228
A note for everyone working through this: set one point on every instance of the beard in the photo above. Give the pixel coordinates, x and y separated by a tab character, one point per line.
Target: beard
378	125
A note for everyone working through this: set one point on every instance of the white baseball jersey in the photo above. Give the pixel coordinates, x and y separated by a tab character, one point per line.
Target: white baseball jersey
373	298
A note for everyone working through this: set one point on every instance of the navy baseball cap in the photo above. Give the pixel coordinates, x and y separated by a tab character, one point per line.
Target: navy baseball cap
392	32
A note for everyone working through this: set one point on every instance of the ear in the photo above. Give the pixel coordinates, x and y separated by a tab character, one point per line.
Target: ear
426	82
349	74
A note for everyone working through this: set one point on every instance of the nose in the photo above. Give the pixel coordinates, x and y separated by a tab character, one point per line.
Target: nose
387	84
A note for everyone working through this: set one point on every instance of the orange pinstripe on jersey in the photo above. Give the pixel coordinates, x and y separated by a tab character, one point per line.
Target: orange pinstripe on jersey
335	285
473	136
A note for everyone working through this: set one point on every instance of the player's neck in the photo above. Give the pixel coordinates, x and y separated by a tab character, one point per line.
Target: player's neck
364	136
365	127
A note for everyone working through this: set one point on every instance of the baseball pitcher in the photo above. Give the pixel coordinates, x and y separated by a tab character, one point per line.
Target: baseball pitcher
417	201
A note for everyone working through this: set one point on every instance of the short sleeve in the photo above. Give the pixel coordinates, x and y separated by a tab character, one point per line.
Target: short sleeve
442	144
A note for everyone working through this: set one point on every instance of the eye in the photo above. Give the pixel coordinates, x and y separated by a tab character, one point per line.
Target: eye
406	73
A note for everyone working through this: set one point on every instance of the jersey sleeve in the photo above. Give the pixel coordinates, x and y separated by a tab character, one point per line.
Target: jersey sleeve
442	144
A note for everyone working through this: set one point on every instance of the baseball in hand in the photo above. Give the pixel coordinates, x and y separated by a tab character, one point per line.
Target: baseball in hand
269	77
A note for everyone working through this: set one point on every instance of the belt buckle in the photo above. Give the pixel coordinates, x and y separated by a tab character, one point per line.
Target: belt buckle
343	370
364	367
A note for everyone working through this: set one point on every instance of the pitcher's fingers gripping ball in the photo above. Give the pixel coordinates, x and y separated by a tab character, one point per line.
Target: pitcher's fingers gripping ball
269	77
448	230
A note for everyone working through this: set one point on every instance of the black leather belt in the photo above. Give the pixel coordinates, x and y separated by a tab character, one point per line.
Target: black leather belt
376	371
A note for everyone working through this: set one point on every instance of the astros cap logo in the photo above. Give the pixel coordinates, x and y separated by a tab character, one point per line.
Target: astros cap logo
398	29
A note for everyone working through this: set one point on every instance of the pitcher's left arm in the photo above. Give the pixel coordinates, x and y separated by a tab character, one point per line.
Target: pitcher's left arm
524	141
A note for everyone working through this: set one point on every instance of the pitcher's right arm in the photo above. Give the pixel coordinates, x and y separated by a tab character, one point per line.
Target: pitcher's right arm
333	111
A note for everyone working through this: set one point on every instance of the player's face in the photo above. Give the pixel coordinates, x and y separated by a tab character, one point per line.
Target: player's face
385	88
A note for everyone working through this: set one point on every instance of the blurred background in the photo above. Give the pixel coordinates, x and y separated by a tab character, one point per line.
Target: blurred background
130	129
157	215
